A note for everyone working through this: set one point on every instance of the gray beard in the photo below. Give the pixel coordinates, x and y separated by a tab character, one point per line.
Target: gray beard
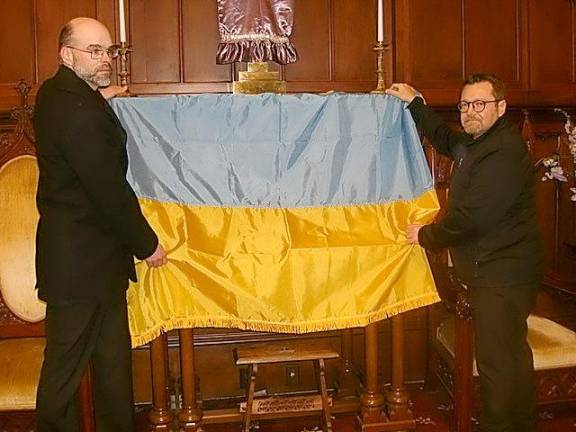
93	79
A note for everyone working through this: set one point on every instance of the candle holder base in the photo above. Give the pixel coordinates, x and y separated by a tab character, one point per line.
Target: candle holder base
123	73
258	79
379	49
126	94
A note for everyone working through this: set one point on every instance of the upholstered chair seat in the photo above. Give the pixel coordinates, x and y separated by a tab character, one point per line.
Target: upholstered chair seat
22	314
553	345
20	363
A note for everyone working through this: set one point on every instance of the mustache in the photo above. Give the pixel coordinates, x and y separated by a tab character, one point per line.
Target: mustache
471	118
105	68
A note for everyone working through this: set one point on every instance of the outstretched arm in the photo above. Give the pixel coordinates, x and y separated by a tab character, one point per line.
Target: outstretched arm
444	139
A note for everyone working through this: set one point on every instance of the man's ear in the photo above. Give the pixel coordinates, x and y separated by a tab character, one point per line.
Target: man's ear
501	107
66	56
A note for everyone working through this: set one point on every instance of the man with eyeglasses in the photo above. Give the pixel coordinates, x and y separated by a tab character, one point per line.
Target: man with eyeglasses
90	229
490	227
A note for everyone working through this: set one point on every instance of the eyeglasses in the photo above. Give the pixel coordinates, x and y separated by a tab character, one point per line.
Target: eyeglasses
97	52
477	105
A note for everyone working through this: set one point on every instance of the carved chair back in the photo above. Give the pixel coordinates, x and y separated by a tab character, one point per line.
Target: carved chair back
21	312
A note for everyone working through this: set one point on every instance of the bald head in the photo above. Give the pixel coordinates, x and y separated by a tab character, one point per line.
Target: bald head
77	30
85	48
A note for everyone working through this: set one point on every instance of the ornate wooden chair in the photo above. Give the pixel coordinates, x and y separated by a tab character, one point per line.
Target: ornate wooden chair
21	313
451	356
452	365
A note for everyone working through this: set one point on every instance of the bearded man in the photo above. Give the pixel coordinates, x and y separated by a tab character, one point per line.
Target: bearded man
90	229
490	227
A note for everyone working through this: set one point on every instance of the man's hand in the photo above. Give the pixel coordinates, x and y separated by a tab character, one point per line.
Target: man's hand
402	91
158	258
412	233
112	91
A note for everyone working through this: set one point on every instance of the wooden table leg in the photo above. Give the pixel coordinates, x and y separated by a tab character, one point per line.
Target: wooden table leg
326	409
398	399
190	414
160	415
250	398
372	401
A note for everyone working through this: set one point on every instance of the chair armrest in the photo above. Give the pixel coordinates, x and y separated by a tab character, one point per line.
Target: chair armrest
452	291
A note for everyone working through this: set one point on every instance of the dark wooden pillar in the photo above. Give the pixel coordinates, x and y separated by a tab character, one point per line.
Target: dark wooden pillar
373	417
190	414
397	399
160	415
372	400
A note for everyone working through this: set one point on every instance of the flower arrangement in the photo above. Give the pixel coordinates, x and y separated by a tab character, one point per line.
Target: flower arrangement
552	164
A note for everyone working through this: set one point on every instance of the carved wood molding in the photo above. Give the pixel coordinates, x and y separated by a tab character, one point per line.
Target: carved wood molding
19	140
6	315
17	421
552	385
556	385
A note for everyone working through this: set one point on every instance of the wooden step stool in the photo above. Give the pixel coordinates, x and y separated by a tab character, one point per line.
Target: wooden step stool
279	352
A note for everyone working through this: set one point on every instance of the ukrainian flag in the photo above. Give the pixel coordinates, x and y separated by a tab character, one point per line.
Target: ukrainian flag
279	213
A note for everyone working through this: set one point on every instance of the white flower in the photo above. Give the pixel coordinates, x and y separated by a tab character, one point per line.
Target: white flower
554	169
558	173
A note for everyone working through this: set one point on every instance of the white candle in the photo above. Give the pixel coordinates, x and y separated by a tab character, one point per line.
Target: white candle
380	20
121	20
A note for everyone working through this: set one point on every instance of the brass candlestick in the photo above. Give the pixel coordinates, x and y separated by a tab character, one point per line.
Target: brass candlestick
123	73
379	49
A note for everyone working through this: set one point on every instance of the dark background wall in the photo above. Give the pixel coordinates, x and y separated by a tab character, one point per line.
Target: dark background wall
434	45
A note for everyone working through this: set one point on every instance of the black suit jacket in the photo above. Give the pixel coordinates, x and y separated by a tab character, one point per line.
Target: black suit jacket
91	225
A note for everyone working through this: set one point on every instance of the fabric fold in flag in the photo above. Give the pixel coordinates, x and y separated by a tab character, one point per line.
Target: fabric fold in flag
279	213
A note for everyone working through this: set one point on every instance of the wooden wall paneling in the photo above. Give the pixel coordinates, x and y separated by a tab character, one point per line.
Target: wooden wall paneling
33	27
107	13
492	42
141	371
200	40
566	263
50	17
17	49
312	38
401	41
17	42
219	376
433	47
354	37
415	331
552	70
524	54
154	33
549	129
545	193
390	52
435	44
